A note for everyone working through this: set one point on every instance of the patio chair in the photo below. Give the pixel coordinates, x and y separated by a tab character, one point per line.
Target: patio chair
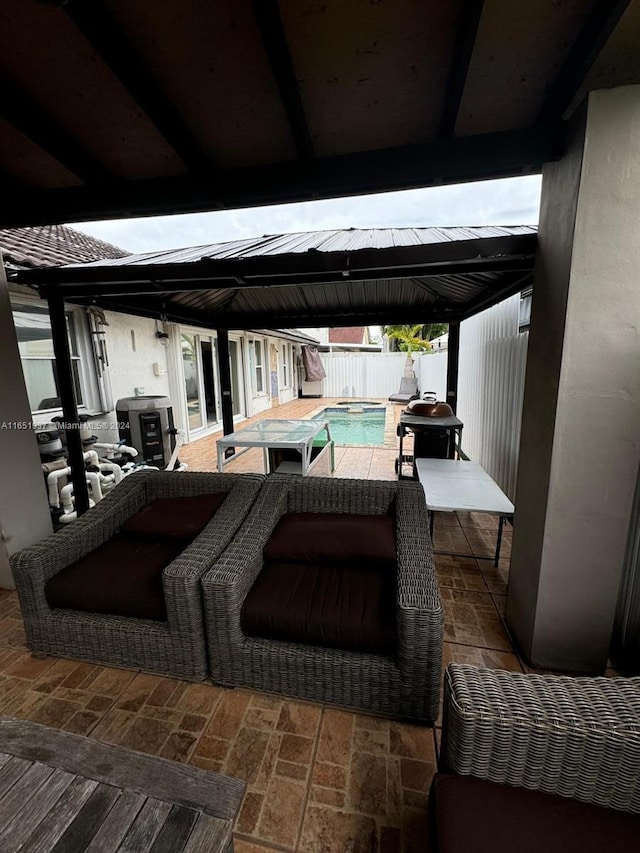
297	639
170	642
537	762
408	390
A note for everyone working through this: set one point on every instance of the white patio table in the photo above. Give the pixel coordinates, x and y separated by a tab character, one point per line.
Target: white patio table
452	485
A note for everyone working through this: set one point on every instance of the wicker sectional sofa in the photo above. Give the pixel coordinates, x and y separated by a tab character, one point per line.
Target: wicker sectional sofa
402	681
173	645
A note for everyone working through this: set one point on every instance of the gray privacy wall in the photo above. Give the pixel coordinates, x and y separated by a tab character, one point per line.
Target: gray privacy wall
580	443
492	365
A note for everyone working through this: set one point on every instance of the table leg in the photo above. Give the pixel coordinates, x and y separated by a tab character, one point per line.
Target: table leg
432	518
499	542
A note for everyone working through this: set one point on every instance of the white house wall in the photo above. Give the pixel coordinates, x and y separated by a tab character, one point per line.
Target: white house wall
133	350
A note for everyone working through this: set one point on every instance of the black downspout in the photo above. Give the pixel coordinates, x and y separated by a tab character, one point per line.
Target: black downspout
224	371
453	355
64	372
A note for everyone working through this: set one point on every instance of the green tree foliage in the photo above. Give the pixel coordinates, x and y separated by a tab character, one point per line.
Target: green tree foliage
417	337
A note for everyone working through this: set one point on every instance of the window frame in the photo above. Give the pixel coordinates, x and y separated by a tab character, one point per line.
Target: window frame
286	365
82	357
259	346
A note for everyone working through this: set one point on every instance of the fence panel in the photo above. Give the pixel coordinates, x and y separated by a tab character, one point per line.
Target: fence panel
431	370
491	388
378	375
355	375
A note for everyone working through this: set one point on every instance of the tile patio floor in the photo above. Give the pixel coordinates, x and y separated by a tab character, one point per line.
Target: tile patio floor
319	780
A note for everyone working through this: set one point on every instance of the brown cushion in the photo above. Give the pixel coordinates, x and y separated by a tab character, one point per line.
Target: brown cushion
182	518
345	607
321	538
123	577
471	814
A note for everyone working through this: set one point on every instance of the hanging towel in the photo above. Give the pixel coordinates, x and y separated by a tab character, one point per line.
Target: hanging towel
313	368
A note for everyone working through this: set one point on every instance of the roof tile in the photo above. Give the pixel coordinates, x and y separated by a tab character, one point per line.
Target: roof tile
52	246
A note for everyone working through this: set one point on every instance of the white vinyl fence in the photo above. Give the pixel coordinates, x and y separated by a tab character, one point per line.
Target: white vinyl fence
490	390
377	375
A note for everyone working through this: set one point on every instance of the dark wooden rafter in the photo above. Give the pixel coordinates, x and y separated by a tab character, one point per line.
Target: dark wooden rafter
275	44
21	111
491	155
96	23
470	14
593	36
10	184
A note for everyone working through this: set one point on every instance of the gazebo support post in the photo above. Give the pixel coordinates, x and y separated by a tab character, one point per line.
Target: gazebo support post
62	352
453	357
224	371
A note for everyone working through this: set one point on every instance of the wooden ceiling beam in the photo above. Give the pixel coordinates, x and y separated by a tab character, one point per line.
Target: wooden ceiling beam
492	155
275	44
96	23
21	111
593	36
470	14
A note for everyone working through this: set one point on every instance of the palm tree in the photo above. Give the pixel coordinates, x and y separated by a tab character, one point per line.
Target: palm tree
408	337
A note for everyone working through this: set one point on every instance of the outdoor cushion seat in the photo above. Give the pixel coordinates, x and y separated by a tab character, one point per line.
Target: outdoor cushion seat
321	538
344	606
182	517
469	814
120	586
123	577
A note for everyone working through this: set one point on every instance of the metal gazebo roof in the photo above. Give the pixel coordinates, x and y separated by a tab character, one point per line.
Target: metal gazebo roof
333	278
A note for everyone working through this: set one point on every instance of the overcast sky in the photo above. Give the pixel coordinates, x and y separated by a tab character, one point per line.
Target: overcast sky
512	201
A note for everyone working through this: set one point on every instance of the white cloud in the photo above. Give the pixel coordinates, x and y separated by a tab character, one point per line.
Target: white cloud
511	201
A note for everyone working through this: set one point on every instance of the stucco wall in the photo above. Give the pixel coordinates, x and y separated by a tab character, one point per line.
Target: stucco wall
581	421
133	349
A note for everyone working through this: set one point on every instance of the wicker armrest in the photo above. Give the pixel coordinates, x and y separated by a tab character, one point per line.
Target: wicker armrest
418	609
37	563
579	737
232	576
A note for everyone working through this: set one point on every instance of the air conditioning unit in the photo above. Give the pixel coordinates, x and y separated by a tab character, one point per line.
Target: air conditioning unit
311	389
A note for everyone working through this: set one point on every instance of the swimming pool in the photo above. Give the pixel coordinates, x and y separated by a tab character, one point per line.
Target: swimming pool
364	425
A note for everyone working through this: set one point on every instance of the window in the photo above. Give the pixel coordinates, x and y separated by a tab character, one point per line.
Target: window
35	343
287	360
524	319
259	349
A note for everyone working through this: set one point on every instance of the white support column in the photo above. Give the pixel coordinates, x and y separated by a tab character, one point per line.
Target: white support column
580	441
24	511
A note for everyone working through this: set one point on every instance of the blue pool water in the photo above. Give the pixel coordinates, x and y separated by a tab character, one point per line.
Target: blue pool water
364	426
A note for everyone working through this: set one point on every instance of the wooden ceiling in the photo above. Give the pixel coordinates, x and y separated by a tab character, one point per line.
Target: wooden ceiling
113	108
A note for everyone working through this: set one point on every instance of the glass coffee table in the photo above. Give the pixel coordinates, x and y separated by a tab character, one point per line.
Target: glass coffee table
289	446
